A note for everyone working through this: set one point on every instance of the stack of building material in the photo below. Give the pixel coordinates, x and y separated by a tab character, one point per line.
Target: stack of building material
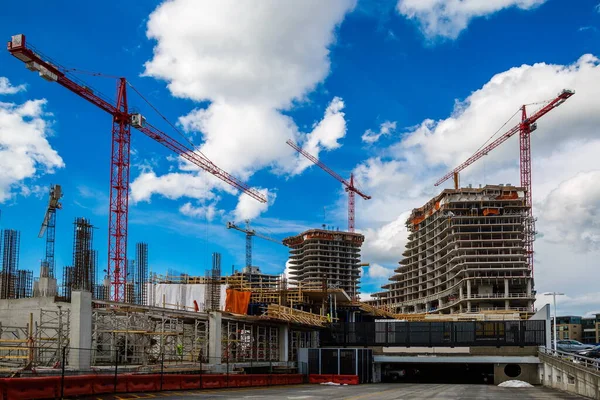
288	314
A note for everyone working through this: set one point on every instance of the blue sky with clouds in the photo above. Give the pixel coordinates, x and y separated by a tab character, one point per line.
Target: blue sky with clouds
397	92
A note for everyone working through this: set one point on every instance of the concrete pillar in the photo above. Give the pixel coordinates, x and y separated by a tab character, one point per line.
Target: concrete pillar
506	304
460	292
284	337
214	337
468	289
80	339
427	306
468	306
440	303
506	288
528	287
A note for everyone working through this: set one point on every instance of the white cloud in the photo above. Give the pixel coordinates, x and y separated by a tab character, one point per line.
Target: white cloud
581	304
384	130
565	170
366	296
251	61
448	18
7	88
25	152
208	212
325	134
572	212
376	271
248	208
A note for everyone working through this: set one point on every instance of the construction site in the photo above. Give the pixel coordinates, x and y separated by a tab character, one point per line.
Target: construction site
465	279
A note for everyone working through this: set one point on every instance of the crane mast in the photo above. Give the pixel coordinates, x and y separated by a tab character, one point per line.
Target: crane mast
524	128
249	234
49	228
348	185
122	121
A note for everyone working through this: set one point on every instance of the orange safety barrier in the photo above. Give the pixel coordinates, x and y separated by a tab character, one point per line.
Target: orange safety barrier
170	382
106	384
143	383
279	379
294	379
213	381
260	380
316	378
79	385
190	382
346	379
32	388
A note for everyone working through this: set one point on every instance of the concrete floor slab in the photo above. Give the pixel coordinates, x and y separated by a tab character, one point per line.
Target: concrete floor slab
391	391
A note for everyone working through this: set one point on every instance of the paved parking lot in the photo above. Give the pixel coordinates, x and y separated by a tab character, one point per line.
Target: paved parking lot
385	391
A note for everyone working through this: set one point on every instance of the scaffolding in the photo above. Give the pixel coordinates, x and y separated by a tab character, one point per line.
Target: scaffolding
9	247
52	333
146	336
246	341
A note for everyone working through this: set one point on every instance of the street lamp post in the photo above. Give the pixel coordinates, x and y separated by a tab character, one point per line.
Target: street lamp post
554	294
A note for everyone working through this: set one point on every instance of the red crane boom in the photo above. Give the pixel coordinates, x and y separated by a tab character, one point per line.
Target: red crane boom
121	139
525	128
349	185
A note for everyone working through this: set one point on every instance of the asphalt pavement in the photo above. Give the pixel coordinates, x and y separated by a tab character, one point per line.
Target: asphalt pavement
382	391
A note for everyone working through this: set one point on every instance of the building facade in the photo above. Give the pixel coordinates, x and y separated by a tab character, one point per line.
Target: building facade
319	256
465	253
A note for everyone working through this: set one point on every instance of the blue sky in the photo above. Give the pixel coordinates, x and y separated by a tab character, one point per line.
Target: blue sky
241	79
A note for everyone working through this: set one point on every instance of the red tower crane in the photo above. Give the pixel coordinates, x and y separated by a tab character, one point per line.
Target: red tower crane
525	128
123	120
349	186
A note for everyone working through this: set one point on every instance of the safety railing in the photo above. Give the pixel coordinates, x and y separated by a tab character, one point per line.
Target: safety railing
587	362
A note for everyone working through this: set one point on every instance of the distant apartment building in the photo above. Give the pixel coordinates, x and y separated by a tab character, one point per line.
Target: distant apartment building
465	253
326	257
582	329
569	327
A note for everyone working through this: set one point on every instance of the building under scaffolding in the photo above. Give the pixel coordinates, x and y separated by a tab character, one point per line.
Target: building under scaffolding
141	273
82	274
212	299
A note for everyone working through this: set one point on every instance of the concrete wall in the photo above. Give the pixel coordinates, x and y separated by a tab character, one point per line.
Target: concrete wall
569	377
15	312
529	373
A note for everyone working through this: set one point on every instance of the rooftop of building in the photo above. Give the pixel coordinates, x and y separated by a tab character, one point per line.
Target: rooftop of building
324	234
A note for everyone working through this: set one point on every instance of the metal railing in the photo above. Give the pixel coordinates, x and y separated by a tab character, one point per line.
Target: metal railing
587	362
430	334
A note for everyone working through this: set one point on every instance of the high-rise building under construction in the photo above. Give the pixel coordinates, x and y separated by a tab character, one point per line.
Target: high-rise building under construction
465	253
320	256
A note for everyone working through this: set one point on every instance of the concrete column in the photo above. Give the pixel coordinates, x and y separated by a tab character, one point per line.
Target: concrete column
80	339
506	288
506	304
440	303
427	306
460	292
468	306
214	337
284	337
468	289
528	287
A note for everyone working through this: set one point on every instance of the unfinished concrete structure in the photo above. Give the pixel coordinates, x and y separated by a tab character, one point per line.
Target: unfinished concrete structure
320	256
465	253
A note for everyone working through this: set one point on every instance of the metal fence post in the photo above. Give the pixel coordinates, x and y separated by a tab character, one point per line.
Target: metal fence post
162	369
62	373
116	369
227	370
201	372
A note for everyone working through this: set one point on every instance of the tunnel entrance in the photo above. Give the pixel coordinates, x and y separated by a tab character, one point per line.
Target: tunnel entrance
438	373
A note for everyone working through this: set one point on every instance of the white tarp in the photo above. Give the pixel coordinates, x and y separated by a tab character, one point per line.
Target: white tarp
515	384
181	295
